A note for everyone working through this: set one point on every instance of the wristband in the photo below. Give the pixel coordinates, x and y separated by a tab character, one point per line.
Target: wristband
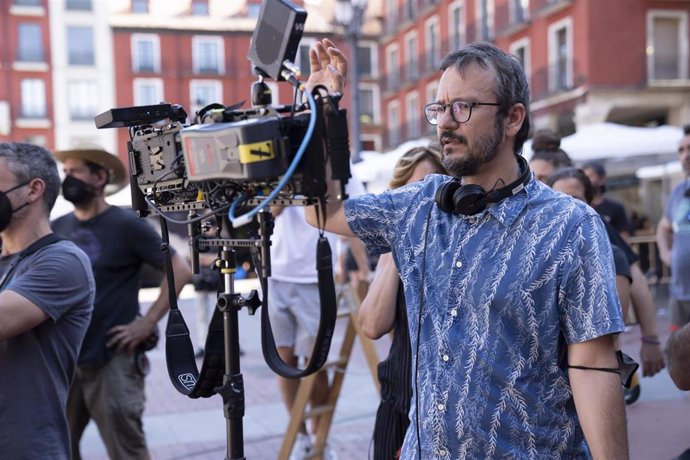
650	340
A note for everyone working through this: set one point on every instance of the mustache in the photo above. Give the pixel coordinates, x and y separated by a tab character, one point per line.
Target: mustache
452	137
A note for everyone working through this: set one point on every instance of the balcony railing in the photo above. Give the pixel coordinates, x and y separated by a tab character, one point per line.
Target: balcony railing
553	79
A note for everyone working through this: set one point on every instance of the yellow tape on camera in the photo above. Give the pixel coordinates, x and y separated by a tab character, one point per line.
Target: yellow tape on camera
258	151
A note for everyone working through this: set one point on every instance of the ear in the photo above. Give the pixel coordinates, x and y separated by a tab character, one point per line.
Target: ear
103	177
516	116
36	188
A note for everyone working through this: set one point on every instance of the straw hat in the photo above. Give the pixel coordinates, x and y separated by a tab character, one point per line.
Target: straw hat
117	174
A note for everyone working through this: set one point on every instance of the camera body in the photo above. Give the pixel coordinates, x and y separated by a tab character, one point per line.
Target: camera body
229	153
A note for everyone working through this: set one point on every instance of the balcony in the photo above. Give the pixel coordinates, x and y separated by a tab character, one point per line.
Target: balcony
555	79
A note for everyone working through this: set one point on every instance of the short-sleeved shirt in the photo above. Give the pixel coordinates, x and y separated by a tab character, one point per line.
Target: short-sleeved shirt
37	366
678	214
500	295
117	244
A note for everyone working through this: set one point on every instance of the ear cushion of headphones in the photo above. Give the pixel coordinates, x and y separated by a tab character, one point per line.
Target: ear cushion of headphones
469	199
444	196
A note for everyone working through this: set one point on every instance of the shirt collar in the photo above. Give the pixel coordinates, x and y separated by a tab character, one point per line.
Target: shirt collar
508	210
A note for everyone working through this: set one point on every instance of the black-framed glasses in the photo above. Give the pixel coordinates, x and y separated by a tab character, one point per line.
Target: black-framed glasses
461	111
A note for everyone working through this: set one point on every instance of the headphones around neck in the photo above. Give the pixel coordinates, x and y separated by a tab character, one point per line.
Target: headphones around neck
455	198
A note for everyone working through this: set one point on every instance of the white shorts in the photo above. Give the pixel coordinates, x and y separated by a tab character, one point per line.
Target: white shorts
294	310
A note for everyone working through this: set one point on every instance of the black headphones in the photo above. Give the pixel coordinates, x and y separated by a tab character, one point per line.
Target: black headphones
455	198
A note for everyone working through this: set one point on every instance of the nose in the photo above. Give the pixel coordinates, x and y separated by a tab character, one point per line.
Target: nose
446	122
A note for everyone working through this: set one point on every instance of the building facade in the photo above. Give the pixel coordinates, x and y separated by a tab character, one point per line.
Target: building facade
588	61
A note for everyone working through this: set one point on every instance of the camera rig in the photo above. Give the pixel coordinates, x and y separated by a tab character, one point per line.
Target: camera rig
228	161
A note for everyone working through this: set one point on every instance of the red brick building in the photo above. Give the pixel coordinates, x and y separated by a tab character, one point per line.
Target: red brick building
589	61
26	89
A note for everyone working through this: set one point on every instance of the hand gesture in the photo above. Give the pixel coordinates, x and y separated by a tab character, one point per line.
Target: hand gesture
328	66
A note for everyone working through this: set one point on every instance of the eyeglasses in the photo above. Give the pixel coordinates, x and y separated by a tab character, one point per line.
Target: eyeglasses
461	111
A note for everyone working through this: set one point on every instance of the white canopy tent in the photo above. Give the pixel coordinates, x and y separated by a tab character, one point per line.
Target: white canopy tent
604	141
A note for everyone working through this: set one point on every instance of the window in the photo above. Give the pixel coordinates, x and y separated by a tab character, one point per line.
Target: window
208	55
145	53
393	124
485	19
29	43
33	98
560	44
253	10
368	103
413	114
409	7
80	46
519	11
148	91
391	15
78	5
82	98
365	54
140	6
204	92
392	63
521	50
667	45
411	57
199	8
433	44
456	26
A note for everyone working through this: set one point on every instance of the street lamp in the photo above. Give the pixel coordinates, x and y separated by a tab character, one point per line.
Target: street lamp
350	15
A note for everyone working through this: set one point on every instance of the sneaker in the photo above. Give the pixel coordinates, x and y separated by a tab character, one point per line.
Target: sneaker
301	449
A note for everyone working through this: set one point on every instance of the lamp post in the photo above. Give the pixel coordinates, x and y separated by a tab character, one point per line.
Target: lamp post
349	14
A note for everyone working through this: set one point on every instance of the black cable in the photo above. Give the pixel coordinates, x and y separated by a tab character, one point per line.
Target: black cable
419	329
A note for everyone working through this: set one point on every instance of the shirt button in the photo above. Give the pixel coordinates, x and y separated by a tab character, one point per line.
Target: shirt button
472	220
446	358
458	264
441	452
454	312
441	407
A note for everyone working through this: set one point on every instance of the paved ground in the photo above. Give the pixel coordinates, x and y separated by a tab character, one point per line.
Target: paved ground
181	428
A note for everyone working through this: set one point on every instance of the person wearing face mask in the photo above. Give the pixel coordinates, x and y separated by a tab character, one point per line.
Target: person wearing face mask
46	300
109	386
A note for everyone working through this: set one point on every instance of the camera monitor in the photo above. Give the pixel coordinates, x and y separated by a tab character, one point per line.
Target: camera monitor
276	38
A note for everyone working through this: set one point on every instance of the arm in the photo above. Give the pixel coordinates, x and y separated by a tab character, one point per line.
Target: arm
18	314
678	350
129	336
650	353
664	238
328	68
598	398
377	311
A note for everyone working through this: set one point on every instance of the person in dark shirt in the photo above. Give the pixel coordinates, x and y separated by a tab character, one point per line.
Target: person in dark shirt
109	386
46	300
610	210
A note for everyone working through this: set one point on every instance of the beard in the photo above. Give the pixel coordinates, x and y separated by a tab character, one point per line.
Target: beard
481	151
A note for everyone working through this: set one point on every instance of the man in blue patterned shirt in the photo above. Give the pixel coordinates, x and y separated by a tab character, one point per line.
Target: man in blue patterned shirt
504	298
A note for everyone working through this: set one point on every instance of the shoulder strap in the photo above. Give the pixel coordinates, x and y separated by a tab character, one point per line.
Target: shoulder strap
34	247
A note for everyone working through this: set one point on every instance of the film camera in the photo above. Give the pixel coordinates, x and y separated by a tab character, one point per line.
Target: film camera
229	160
230	157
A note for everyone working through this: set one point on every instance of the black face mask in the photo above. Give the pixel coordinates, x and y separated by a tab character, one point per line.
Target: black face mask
77	191
6	210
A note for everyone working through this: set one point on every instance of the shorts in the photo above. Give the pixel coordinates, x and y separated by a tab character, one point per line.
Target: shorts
295	311
679	313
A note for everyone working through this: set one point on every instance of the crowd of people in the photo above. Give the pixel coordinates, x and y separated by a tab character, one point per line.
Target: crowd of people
505	285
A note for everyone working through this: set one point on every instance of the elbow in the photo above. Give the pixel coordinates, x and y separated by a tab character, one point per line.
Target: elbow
369	326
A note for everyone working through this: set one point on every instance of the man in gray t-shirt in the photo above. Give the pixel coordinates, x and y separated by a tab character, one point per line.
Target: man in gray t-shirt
673	238
46	299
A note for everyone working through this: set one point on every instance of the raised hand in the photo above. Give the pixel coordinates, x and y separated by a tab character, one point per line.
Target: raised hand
328	66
